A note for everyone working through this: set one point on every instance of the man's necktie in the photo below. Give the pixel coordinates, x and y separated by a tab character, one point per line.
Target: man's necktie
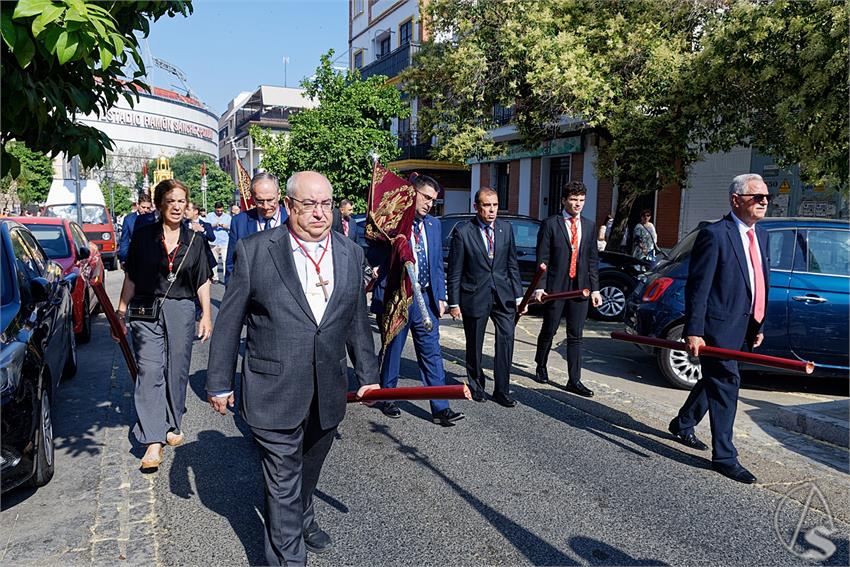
421	257
574	246
758	278
267	223
491	244
345	227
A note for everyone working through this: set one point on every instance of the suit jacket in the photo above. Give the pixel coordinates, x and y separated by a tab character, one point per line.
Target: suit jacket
131	223
338	222
209	234
378	254
242	225
553	249
288	357
718	297
472	274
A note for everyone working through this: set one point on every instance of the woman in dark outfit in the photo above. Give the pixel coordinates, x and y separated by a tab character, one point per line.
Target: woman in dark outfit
167	263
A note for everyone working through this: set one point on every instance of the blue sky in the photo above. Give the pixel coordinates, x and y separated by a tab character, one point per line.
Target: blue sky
228	46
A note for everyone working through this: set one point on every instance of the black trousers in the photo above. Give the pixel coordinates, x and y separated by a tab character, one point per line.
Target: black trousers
292	460
575	311
474	329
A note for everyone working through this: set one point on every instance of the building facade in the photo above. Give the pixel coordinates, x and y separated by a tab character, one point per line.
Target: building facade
383	38
270	108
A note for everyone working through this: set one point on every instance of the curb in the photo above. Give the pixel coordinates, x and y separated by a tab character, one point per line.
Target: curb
812	424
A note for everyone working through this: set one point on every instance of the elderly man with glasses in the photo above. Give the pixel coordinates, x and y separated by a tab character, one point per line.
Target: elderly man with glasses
725	305
266	214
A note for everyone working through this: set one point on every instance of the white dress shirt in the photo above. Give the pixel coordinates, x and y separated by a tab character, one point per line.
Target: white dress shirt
423	242
308	276
567	223
745	240
275	221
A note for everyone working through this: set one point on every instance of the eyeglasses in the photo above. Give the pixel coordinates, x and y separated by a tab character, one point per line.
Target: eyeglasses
261	202
758	197
428	198
310	206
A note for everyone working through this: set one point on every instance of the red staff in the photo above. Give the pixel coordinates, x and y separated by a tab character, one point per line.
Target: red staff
724	353
460	392
116	326
528	292
577	294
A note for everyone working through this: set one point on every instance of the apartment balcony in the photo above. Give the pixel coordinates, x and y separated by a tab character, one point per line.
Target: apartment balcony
392	63
412	147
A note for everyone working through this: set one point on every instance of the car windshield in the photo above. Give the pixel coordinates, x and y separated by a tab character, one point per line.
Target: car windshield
92	214
683	248
525	233
52	238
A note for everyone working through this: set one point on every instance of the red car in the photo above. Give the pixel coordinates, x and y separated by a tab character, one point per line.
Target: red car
66	244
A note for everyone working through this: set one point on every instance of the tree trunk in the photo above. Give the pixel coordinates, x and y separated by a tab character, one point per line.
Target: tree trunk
625	199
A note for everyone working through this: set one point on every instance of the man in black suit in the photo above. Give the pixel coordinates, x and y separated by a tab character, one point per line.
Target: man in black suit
484	283
299	287
342	221
725	305
566	243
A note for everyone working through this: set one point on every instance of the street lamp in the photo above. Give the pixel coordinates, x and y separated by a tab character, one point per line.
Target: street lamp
111	193
285	63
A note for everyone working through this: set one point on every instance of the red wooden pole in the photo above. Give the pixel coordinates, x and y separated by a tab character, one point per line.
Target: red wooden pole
115	325
724	353
577	294
460	392
541	269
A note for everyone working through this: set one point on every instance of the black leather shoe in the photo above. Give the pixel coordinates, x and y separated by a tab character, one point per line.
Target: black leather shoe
316	540
735	472
687	439
389	409
541	375
479	396
447	417
504	400
580	389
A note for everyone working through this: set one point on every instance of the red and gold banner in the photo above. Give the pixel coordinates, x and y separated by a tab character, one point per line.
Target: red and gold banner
390	221
246	201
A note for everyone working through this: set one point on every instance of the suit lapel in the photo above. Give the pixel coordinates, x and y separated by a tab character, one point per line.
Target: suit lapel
478	238
340	262
738	248
280	249
252	221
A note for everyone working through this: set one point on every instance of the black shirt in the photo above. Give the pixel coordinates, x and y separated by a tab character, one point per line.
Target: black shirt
147	263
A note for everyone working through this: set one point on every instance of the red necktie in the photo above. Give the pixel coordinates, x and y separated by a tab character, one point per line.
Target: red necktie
574	245
345	227
758	279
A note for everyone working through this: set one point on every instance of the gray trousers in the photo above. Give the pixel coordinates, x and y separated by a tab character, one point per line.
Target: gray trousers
163	353
292	461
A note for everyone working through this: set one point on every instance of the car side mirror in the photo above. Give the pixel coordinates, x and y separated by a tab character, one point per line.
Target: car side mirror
39	290
83	253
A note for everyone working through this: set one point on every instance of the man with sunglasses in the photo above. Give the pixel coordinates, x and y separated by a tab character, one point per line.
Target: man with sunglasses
267	213
725	305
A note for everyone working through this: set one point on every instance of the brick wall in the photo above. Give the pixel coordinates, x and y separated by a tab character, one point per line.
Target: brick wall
485	176
604	197
667	208
534	206
577	167
513	187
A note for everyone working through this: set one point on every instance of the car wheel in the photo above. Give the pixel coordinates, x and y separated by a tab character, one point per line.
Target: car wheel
614	293
85	333
678	367
44	449
71	360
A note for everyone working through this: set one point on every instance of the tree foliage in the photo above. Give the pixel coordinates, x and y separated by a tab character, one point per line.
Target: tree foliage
336	138
68	57
186	168
659	81
34	176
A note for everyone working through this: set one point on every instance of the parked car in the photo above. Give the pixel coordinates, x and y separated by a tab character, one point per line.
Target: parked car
97	226
807	301
617	272
37	349
66	243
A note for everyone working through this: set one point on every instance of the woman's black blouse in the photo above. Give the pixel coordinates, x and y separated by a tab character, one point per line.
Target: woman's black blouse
147	263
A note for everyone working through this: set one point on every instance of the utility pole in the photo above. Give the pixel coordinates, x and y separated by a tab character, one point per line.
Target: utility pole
285	63
75	173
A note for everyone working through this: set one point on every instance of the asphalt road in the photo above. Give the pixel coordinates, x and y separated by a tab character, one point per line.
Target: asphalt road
558	480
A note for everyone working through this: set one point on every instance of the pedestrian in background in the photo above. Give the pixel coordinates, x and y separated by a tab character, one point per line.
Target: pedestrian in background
166	270
483	283
220	222
144	214
234	210
342	221
644	238
604	231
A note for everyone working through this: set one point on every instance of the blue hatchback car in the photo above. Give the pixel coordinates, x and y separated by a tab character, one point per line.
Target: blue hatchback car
808	307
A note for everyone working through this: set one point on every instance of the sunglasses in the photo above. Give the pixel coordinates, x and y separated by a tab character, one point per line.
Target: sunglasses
758	197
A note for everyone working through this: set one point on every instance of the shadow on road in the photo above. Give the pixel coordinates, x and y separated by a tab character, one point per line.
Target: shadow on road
596	552
230	487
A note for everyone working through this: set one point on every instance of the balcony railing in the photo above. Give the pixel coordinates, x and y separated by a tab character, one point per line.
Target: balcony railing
412	147
392	63
274	117
502	115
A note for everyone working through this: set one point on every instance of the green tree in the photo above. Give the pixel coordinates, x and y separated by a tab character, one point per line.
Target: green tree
186	168
336	138
777	75
63	58
635	72
34	177
123	196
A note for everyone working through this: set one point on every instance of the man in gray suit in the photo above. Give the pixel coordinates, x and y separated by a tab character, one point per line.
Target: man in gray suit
299	288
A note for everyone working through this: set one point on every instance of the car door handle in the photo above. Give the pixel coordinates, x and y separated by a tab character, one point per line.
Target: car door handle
808	298
520	253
